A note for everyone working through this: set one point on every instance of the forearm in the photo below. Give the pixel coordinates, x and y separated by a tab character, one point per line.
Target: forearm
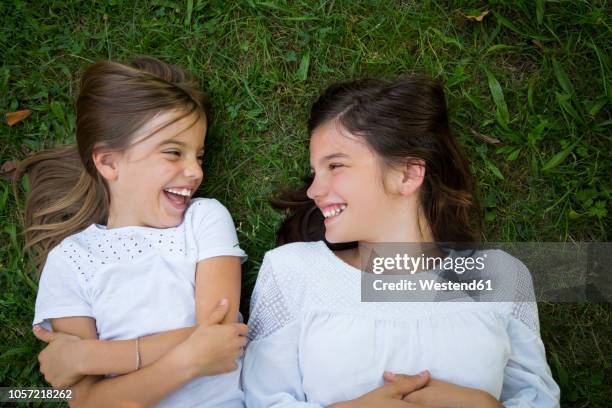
101	357
141	388
345	404
483	399
205	308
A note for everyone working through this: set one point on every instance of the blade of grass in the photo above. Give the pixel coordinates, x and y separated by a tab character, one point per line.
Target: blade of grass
501	113
558	158
564	102
564	80
446	39
302	72
540	11
189	13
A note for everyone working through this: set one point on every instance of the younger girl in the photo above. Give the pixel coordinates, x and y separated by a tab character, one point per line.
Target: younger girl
385	169
130	253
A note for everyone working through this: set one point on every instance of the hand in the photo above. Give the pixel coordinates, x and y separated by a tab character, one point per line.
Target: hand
212	348
59	361
390	395
442	394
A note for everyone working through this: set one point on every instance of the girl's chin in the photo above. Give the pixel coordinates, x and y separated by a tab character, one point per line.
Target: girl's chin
337	238
170	216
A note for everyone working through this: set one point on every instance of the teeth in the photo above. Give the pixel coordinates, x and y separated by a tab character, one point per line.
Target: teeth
185	192
334	211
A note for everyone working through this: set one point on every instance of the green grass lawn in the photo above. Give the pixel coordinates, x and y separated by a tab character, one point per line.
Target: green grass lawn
528	86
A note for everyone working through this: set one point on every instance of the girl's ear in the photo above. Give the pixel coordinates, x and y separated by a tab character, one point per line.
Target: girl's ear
106	162
413	174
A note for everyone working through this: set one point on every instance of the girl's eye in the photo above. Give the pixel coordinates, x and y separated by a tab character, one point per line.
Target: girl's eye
335	166
178	154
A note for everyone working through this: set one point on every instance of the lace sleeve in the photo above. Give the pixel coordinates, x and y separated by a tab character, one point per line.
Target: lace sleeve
524	307
269	309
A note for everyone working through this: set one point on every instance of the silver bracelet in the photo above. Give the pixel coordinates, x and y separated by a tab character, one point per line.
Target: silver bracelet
138	353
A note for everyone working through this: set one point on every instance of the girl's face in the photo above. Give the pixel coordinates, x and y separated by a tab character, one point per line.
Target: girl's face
348	187
171	159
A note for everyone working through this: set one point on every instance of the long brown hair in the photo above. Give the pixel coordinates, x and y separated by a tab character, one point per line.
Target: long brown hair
66	192
402	121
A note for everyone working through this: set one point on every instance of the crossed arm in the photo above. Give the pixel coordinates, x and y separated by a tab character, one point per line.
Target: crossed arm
166	359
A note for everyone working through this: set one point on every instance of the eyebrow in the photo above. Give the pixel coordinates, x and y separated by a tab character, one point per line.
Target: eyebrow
334	156
177	142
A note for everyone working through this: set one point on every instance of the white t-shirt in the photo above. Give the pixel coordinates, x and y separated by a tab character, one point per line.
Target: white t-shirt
315	343
136	281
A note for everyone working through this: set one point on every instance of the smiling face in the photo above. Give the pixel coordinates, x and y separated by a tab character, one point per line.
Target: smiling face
151	176
349	188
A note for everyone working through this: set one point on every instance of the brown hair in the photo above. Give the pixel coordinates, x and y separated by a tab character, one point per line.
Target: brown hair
66	193
402	121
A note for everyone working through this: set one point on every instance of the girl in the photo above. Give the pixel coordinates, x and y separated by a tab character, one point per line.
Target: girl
385	168
130	253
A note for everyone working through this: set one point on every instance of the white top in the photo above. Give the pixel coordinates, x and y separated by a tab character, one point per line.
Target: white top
314	343
136	281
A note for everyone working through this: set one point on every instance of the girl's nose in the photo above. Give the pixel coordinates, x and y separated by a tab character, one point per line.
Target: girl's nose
194	170
317	188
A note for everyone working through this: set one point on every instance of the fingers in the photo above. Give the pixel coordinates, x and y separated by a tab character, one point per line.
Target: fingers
240	343
43	334
390	377
401	384
393	377
241	329
217	315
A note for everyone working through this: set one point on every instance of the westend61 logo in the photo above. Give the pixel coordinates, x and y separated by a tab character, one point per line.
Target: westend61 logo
414	264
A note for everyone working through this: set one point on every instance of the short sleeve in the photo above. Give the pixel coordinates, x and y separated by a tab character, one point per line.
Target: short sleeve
214	231
60	291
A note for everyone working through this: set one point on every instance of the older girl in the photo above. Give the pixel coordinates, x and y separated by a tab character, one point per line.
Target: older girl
385	168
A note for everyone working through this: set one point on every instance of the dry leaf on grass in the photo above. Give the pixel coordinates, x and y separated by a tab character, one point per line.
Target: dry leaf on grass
485	138
13	118
478	17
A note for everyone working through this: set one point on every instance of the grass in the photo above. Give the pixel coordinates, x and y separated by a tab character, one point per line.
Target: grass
534	75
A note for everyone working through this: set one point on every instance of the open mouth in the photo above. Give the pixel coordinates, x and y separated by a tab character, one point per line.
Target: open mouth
178	198
332	212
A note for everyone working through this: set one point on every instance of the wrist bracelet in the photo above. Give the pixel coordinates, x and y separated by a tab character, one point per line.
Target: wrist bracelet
138	353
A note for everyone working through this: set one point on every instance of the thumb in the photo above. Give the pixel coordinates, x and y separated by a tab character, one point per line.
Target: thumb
218	314
43	334
401	384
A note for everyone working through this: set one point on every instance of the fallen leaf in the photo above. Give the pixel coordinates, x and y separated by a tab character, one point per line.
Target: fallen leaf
479	17
13	118
485	138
